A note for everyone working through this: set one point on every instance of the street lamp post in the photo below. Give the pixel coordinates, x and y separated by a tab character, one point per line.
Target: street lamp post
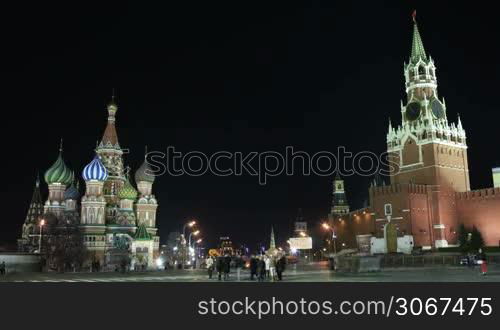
189	224
191	234
198	241
42	223
334	237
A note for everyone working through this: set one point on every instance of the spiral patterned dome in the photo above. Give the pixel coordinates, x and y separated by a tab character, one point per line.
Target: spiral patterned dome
144	173
95	170
59	173
128	191
72	192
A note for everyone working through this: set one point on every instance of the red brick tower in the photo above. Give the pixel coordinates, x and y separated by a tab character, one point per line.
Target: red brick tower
428	156
426	148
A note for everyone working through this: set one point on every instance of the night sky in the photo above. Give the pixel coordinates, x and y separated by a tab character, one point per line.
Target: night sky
236	76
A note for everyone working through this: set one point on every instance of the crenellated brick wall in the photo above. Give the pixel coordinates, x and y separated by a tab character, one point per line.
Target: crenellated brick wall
481	208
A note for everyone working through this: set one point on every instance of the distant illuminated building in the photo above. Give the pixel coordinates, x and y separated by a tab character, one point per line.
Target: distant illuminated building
226	246
496	176
339	201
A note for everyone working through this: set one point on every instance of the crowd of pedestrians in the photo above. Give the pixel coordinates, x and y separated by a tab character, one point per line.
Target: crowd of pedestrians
262	267
480	259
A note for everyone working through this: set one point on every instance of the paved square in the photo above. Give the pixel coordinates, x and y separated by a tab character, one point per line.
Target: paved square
310	273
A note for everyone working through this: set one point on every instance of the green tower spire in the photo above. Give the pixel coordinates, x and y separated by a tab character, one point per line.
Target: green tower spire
417	46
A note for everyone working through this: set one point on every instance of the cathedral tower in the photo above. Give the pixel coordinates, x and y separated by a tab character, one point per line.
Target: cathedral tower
272	243
58	177
426	148
71	196
111	154
127	195
94	202
32	221
146	205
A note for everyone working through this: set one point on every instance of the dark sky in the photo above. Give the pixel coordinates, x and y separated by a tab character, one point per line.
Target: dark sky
236	76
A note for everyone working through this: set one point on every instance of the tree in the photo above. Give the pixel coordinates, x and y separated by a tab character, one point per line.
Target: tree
463	238
63	244
476	239
462	235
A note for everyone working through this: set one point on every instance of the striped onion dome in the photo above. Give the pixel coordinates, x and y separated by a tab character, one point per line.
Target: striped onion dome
128	191
72	192
59	173
144	173
95	170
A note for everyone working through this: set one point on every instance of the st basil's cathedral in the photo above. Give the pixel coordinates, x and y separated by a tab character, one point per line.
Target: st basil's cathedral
111	215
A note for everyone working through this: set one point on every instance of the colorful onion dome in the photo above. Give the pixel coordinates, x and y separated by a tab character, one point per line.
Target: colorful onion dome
144	173
59	172
128	191
95	170
72	192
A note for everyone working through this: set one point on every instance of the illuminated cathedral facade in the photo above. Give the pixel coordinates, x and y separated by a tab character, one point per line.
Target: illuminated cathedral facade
112	215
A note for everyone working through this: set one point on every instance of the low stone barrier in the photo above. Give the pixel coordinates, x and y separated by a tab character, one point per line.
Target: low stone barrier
20	262
358	264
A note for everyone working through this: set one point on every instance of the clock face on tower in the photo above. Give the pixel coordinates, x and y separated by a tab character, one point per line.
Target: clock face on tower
412	111
437	109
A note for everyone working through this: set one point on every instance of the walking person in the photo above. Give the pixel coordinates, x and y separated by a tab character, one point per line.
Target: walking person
261	268
267	262
272	268
239	264
253	267
470	260
482	258
219	266
227	266
2	268
280	267
210	266
331	262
